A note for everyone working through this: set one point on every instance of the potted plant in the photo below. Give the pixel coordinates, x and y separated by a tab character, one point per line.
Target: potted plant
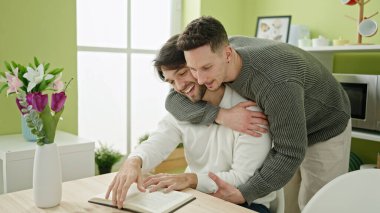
174	163
106	157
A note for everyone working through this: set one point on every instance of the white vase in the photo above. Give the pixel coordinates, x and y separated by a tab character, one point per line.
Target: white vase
47	177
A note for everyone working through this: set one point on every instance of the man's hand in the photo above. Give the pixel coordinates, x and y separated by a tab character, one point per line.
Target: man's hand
171	182
226	191
243	120
128	174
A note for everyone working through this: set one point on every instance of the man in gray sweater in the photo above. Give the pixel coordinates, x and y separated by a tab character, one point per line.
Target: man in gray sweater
307	109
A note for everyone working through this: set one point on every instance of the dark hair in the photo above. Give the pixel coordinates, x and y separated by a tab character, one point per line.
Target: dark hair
169	57
202	31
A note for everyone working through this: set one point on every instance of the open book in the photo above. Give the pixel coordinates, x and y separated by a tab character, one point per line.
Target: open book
158	201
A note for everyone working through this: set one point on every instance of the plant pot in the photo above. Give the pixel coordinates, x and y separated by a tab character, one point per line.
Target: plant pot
47	176
104	169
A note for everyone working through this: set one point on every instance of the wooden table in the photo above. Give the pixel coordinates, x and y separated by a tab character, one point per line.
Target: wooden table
75	195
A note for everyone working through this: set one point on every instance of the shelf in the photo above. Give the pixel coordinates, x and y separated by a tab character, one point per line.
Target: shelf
346	48
367	135
326	54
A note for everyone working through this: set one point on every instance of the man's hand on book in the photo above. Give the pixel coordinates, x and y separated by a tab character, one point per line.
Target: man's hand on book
226	191
170	182
128	174
243	120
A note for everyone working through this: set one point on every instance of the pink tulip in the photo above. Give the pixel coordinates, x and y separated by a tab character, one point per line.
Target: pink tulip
58	101
39	101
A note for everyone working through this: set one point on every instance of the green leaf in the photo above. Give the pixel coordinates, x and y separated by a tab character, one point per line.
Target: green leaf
8	66
31	65
3	87
42	86
14	64
56	71
36	62
46	66
2	74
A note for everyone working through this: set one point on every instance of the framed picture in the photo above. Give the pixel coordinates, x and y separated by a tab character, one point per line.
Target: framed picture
273	27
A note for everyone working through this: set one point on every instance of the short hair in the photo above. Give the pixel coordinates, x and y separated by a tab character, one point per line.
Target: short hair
169	57
202	31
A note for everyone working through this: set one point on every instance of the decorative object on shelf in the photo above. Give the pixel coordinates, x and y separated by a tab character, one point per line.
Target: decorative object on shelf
305	42
273	27
29	83
366	26
106	157
340	42
320	41
298	32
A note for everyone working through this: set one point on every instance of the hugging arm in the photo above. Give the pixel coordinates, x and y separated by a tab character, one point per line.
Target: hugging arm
237	118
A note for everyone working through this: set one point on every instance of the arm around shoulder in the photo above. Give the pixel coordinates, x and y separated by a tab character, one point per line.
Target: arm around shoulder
184	110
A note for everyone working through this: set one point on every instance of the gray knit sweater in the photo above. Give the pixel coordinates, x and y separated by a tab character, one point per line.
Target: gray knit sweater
301	98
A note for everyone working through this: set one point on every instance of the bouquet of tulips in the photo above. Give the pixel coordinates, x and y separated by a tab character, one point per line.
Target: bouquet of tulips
32	85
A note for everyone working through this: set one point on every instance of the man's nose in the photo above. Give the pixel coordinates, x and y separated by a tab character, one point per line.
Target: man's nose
201	78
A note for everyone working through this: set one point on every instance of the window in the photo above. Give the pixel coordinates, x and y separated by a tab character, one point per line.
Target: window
120	97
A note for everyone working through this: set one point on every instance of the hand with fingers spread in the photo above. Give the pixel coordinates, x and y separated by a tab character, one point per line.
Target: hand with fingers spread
244	120
129	173
226	191
170	182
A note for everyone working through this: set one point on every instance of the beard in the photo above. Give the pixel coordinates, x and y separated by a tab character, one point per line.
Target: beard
199	96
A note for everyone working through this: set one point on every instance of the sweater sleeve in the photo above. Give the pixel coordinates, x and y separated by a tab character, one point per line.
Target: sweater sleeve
184	110
284	106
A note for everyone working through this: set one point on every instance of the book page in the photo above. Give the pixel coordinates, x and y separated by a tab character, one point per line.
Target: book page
149	202
158	201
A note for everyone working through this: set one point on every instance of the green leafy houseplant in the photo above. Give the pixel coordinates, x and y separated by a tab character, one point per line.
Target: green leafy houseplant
106	157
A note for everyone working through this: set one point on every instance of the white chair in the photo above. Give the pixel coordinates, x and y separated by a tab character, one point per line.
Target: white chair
278	204
357	191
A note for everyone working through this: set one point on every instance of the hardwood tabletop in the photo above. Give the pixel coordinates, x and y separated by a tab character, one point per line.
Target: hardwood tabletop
75	196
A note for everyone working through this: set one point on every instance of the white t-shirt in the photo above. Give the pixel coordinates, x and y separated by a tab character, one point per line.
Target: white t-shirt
231	155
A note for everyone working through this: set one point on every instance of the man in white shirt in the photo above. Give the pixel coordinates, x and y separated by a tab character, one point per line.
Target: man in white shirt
231	155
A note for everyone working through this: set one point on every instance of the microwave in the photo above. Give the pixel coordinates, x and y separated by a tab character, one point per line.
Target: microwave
364	94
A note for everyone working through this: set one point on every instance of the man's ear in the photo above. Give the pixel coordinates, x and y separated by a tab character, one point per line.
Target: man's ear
228	52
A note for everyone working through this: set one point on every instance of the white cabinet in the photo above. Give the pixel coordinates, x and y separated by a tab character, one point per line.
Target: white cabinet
17	156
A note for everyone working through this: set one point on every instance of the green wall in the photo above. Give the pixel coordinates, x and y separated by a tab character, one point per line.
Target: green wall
46	29
325	18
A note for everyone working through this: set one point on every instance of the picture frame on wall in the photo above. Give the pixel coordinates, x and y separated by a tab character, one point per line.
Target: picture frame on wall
273	27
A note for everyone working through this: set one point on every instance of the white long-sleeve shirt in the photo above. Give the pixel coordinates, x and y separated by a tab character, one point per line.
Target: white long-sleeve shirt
231	155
